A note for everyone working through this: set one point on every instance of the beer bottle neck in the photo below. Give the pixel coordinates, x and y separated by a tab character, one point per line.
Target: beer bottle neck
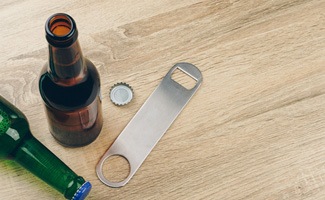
66	63
36	158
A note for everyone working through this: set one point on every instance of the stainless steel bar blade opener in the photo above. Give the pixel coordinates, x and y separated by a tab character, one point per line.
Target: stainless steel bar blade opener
151	122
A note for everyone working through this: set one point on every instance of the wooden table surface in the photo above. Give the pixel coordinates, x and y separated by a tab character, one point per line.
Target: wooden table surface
254	130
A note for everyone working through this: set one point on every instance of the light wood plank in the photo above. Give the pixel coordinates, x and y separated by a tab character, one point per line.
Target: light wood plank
255	129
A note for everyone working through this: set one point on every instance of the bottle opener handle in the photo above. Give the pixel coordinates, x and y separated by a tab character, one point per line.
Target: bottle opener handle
151	122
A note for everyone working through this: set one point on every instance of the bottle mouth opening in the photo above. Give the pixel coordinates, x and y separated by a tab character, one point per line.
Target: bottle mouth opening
61	30
60	25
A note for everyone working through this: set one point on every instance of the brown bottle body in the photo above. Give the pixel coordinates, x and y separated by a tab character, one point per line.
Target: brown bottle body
70	87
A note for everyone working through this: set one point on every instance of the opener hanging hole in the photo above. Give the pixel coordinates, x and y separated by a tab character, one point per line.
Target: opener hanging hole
116	168
184	79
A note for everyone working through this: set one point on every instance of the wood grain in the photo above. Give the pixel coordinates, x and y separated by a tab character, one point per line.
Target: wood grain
255	129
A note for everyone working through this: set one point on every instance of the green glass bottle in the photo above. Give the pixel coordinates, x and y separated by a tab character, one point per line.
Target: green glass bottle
17	143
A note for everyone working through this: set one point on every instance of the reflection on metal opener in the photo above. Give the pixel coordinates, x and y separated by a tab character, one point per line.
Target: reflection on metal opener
151	122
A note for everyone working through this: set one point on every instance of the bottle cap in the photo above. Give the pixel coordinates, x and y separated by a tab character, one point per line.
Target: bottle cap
82	192
121	94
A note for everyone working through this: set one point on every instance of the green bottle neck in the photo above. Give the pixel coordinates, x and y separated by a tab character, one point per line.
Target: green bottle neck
36	158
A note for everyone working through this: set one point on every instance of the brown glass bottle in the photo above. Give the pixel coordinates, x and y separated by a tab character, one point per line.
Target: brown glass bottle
70	86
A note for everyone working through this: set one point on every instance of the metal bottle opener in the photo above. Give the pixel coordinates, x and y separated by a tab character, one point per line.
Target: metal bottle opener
151	122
